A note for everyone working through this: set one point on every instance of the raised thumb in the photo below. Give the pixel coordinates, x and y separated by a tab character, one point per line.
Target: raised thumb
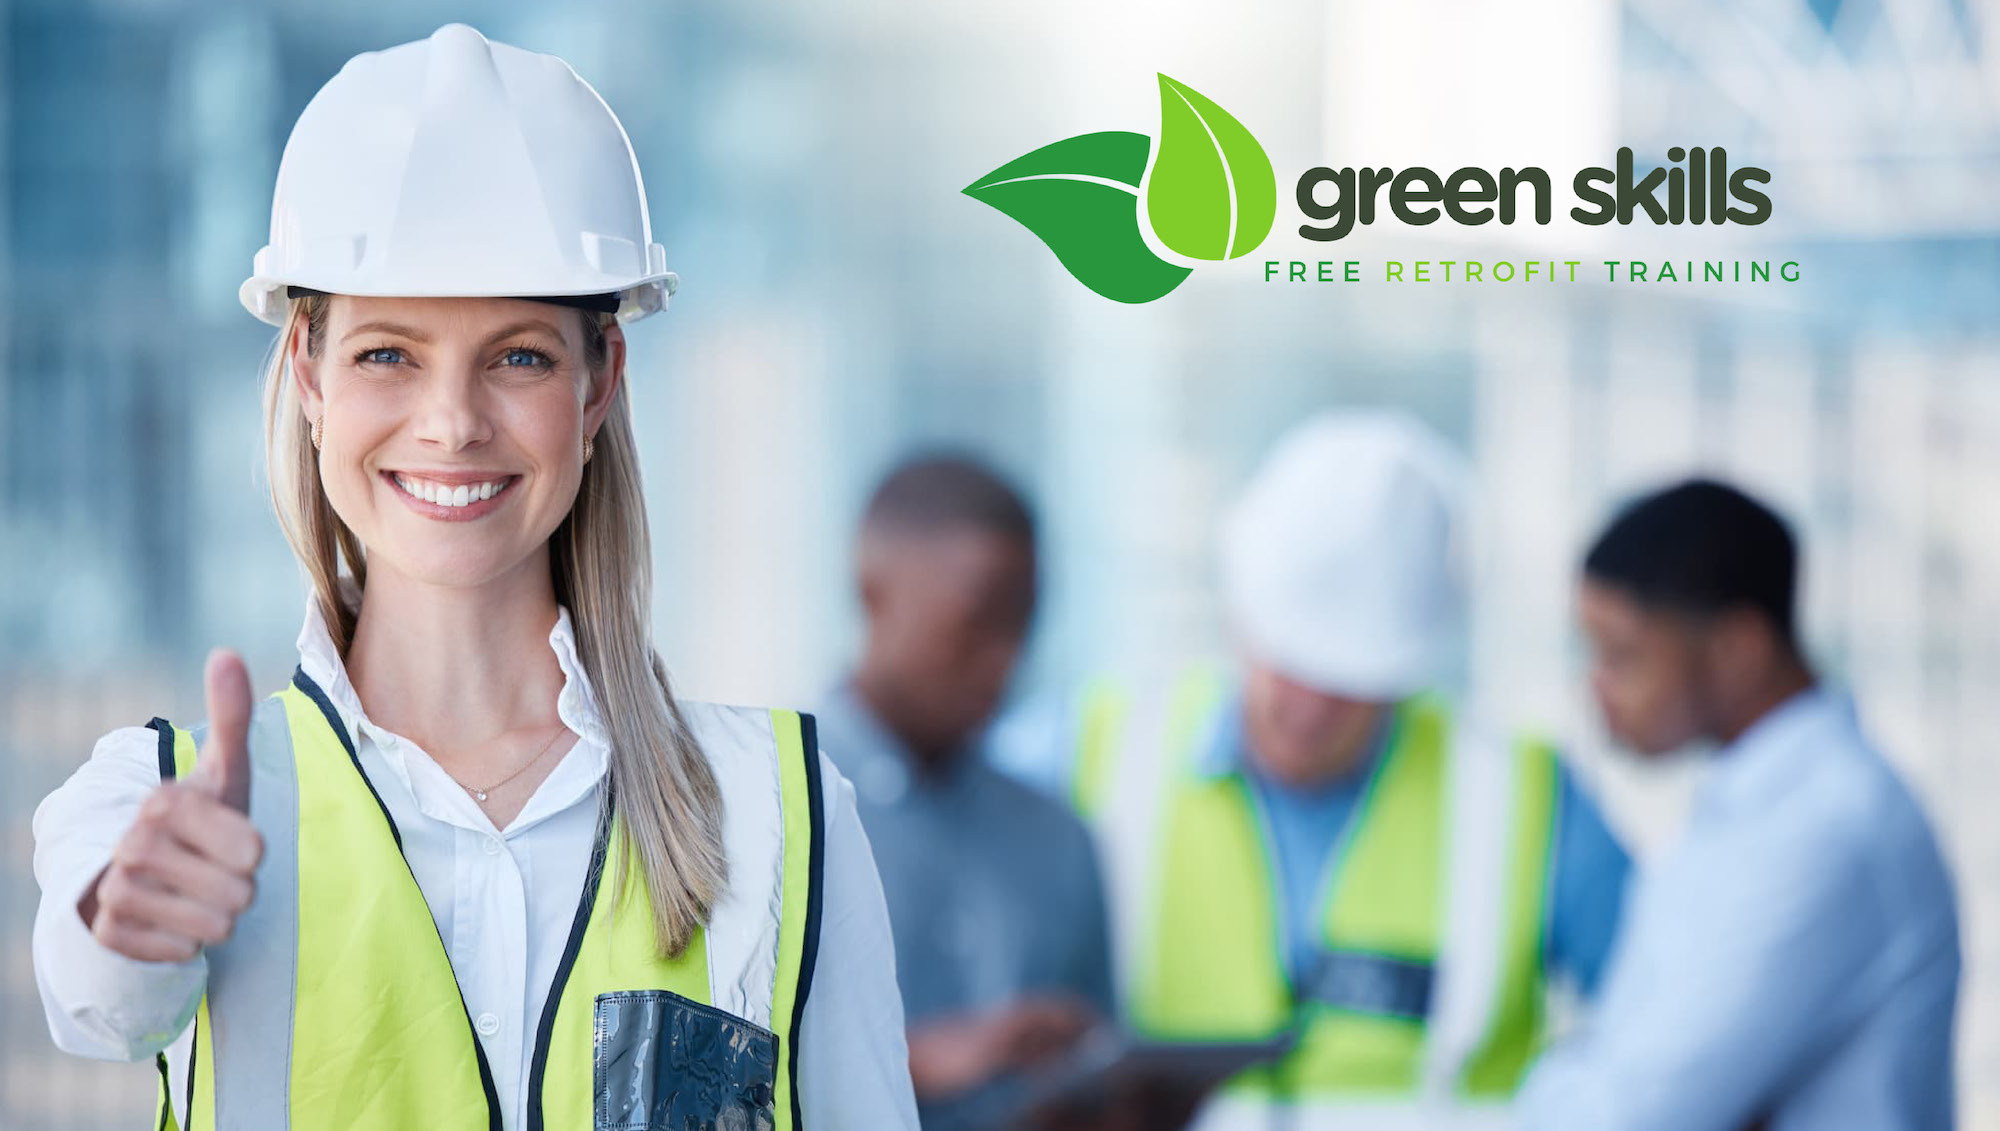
223	768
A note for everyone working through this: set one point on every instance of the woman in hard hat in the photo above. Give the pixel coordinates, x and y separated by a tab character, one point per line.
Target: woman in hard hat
474	866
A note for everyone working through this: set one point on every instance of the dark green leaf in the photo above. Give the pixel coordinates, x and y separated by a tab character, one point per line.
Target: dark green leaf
1081	196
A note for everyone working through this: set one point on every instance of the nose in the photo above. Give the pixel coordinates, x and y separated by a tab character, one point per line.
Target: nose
1301	709
451	413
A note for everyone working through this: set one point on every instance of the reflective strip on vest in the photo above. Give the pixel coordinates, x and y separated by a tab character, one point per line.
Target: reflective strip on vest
1142	742
337	996
1432	921
1103	716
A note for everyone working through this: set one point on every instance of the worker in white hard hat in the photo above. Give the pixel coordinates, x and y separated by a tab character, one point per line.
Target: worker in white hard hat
474	866
1319	843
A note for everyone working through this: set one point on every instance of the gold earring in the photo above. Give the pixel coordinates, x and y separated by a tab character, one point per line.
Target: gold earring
588	446
318	431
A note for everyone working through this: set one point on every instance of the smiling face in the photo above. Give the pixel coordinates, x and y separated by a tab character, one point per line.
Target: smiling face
452	438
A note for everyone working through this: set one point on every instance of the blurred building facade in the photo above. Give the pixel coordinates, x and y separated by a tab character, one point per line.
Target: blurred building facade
843	305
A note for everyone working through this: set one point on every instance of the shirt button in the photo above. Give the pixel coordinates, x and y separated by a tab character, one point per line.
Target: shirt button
487	1024
491	845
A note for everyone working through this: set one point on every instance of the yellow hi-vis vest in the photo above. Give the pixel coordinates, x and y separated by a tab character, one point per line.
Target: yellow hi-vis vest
1427	1007
333	1006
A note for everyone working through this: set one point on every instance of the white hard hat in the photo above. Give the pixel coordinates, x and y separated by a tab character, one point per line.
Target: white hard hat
455	166
1339	561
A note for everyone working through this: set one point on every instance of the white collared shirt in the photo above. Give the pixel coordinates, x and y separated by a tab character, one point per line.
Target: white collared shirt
503	900
1794	958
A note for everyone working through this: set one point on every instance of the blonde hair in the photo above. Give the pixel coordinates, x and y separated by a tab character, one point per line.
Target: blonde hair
666	797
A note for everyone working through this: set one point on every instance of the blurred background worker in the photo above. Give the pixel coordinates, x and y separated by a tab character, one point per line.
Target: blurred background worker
1323	842
994	893
1794	960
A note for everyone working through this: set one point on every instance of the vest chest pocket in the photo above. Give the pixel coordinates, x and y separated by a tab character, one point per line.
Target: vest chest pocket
665	1063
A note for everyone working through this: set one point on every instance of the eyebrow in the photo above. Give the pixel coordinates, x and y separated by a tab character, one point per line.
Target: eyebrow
400	330
525	324
380	327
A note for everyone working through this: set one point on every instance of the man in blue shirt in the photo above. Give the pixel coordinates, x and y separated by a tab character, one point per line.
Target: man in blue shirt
1316	842
993	889
1792	962
1306	821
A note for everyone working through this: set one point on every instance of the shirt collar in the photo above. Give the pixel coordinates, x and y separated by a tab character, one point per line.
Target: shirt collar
1222	749
1763	760
576	703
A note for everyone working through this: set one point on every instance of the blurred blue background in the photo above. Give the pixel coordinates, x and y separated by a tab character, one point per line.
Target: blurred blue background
843	305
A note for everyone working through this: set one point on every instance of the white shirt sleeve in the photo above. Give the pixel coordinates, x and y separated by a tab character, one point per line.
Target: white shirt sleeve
98	1002
1744	966
854	1062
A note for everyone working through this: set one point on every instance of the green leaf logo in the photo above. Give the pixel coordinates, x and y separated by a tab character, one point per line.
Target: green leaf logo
1081	196
1210	194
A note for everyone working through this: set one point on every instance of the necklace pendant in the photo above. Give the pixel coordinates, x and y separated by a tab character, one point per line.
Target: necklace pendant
480	794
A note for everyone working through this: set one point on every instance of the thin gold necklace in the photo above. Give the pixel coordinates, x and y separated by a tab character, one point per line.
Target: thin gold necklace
481	794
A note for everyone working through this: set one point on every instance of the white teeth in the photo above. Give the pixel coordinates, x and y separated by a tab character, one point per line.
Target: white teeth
444	495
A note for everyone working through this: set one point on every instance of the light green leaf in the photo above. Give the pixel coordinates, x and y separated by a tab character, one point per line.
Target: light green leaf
1212	193
1081	196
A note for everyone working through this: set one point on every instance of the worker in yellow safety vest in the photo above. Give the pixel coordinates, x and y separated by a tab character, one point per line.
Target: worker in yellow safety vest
475	867
1319	842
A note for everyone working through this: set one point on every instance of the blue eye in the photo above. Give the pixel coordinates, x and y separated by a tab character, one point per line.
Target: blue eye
521	357
379	355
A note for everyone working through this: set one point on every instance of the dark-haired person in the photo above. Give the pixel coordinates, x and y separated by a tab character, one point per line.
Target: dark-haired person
994	895
1793	961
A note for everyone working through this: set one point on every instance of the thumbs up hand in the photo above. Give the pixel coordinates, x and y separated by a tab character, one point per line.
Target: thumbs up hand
223	768
186	869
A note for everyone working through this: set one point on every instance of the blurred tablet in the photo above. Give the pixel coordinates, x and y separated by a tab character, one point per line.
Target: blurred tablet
1109	1067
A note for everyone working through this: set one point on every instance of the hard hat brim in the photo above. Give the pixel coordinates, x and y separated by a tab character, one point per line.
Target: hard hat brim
267	297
